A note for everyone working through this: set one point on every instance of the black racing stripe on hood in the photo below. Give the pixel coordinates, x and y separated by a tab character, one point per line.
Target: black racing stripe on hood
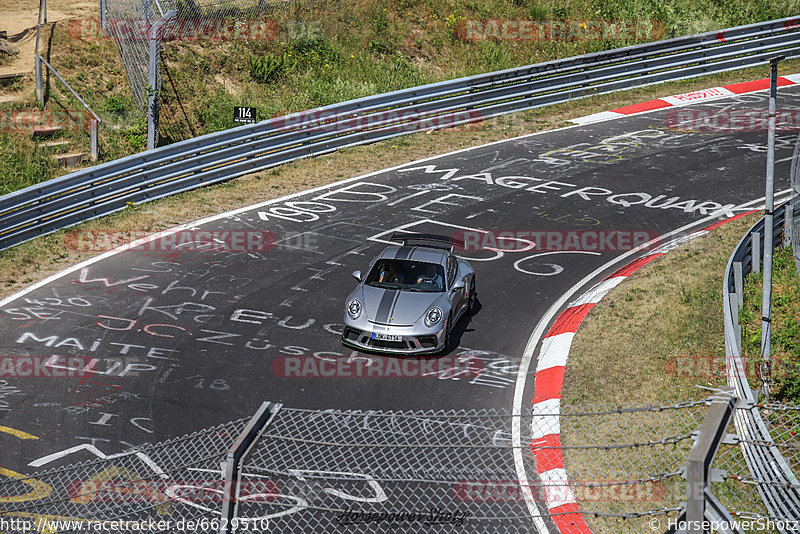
389	298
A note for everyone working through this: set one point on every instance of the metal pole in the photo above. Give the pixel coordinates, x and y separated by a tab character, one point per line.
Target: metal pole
698	470
769	206
37	59
103	8
93	139
152	98
231	468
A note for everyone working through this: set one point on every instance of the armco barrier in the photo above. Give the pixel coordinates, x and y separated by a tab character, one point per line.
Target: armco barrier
765	463
106	188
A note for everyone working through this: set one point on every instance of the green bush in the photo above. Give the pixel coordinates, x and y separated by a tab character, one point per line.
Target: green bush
22	166
269	68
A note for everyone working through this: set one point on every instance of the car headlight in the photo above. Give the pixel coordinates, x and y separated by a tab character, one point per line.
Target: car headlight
433	316
354	308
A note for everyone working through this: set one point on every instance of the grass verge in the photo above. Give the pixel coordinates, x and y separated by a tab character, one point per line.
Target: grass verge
659	334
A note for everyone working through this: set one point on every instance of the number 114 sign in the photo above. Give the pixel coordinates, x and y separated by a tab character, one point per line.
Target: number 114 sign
245	115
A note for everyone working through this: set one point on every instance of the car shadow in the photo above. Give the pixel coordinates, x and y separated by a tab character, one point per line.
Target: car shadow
459	329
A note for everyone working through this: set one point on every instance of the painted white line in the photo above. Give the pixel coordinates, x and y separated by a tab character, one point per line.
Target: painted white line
597	117
532	340
547	418
555	350
522	377
237	211
596	294
703	95
556	488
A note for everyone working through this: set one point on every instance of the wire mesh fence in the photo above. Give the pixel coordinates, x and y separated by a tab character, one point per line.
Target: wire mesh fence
132	24
173	481
618	469
794	226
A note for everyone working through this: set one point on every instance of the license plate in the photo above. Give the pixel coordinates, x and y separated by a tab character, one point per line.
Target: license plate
386	337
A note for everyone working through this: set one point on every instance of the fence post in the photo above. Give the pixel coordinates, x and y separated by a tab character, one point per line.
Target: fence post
769	213
38	60
155	36
698	470
230	471
755	255
152	83
93	139
103	23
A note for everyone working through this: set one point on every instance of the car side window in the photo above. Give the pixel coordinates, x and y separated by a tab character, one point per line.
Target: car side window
451	270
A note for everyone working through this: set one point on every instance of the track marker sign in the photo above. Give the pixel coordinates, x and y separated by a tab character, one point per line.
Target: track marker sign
245	115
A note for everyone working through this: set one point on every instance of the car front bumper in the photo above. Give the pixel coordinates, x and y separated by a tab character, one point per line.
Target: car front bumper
413	342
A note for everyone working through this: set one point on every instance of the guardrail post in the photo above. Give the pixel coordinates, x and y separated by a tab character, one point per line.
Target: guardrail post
788	215
93	139
755	261
698	470
233	461
738	281
734	305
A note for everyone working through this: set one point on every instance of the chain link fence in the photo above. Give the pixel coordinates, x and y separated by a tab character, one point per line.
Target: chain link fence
132	23
794	226
473	471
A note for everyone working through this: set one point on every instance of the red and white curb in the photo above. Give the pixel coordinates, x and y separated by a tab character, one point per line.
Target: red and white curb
688	98
549	379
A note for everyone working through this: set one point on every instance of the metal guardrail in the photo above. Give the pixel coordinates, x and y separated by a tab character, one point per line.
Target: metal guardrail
109	187
765	463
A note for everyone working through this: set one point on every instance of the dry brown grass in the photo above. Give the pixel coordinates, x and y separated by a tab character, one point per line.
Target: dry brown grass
649	340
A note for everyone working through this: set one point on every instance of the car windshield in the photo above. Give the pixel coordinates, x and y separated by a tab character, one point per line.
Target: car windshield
407	275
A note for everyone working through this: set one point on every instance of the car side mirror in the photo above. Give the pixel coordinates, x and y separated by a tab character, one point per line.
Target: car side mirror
459	285
357	275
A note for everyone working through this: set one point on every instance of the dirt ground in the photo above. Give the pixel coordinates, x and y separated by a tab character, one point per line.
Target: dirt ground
19	21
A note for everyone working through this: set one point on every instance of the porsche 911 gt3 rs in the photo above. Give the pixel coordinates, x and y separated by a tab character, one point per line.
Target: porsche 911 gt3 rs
410	298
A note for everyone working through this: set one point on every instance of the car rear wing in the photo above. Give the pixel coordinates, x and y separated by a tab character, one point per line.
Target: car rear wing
428	240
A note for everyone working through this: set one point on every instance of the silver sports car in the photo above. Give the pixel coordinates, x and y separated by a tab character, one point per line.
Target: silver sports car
410	298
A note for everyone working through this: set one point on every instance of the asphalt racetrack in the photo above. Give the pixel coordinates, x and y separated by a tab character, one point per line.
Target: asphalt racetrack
178	339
